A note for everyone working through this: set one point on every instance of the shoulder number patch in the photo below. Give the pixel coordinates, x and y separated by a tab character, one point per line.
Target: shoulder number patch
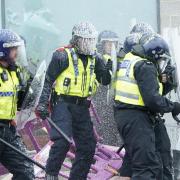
124	64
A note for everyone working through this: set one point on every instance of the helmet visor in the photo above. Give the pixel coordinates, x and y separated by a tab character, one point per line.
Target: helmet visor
163	62
86	46
21	55
108	45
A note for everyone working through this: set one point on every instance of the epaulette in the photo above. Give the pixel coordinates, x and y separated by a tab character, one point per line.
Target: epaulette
148	62
63	48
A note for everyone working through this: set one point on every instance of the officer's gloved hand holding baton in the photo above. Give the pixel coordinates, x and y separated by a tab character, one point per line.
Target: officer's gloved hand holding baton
43	113
169	75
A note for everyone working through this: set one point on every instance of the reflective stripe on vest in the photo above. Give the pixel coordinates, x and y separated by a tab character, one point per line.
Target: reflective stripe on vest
126	79
8	95
127	90
83	83
127	95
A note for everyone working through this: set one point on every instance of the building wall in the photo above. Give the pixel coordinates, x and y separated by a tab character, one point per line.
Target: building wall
170	13
170	20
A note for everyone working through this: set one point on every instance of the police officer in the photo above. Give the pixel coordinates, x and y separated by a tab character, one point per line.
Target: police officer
138	101
132	39
135	34
10	84
75	70
107	128
168	82
106	41
166	77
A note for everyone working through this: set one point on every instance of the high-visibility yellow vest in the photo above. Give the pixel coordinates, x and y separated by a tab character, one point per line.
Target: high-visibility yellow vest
106	57
76	80
8	94
127	90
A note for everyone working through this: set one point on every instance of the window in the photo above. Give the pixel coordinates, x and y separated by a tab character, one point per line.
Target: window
46	25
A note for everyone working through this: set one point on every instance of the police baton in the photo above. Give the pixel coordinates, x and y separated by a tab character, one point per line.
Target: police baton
59	130
176	119
22	154
119	149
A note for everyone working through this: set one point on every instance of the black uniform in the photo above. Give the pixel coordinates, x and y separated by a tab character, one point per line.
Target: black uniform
72	117
20	167
146	141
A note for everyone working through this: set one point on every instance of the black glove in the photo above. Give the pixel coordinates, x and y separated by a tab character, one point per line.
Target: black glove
170	72
109	65
176	109
42	111
169	69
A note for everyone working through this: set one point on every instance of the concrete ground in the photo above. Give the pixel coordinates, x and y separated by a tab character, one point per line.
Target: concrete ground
9	176
6	177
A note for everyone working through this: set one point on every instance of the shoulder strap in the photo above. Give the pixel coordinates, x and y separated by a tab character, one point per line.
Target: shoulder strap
92	66
75	63
63	48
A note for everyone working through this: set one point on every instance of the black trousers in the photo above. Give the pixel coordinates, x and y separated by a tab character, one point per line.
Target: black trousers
75	121
163	146
176	164
15	163
142	160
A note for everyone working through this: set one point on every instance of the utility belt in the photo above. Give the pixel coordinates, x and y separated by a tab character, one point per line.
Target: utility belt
6	123
156	118
81	101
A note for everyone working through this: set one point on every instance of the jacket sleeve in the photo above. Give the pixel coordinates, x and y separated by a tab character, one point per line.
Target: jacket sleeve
102	74
23	93
57	65
167	87
146	76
